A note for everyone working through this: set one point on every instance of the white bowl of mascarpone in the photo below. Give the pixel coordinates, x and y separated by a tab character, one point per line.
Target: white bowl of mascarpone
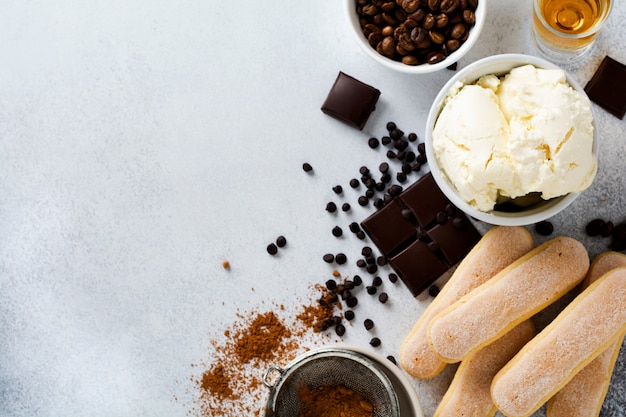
510	140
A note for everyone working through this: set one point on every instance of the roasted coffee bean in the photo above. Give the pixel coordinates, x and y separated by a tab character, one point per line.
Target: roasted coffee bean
387	46
594	227
307	167
331	207
272	249
374	38
457	31
409	6
370	10
369	324
373	143
429	21
329	258
544	228
337	231
435	57
341	258
281	241
418	34
345	207
383	297
375	342
437	37
410	60
453	45
469	17
433	4
448	6
417	16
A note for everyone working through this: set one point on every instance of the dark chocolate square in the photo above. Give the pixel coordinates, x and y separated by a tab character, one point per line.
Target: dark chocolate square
425	199
607	87
388	229
351	101
455	238
418	266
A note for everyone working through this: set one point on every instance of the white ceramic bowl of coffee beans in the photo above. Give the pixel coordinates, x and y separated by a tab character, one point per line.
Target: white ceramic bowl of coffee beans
416	36
498	65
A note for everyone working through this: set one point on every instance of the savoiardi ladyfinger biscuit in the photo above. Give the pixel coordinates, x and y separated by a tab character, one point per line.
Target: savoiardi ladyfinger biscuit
584	329
469	394
497	249
522	289
584	394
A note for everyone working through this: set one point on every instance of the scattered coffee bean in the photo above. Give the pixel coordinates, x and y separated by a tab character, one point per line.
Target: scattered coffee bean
337	231
340	329
594	227
340	258
544	228
383	297
433	290
369	324
338	189
329	258
331	207
272	249
307	167
375	342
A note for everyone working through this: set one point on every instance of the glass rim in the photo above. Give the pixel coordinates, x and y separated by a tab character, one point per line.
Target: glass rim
592	30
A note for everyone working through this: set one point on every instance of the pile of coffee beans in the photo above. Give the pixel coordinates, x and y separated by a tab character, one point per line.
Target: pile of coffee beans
415	32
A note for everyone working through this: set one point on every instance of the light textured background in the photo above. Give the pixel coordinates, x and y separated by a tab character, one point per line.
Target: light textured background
142	143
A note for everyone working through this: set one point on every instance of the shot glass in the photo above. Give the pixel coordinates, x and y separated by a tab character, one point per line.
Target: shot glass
564	31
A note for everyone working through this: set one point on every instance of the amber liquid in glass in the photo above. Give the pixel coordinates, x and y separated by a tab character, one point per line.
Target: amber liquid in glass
570	17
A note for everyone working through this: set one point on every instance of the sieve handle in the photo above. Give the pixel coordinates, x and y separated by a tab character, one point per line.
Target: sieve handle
273	368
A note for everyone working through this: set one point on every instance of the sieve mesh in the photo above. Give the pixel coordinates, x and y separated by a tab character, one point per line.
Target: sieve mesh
334	368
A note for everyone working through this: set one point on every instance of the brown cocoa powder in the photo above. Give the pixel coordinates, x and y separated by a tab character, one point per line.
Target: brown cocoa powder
333	401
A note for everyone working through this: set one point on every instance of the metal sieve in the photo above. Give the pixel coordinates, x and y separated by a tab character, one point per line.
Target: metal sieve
334	367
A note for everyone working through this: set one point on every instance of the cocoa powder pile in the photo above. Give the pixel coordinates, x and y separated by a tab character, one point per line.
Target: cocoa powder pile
230	384
333	401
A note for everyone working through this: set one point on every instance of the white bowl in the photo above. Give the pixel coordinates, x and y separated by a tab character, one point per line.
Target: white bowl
499	65
350	10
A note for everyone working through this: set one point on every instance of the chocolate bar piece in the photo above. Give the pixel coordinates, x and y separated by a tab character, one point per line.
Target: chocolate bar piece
351	101
607	87
424	245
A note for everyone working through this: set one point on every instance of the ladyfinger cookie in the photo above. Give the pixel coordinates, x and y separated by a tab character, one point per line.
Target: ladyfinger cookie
585	328
522	289
497	249
584	394
469	394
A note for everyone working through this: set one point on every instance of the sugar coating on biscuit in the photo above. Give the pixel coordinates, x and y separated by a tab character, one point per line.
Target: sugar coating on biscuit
583	330
498	248
522	289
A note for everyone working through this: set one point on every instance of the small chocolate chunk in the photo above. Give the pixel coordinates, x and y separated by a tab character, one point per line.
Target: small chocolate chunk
354	183
341	258
354	227
329	258
375	342
281	241
371	289
544	228
393	278
307	167
388	229
340	329
351	101
378	281
391	359
433	291
383	297
594	227
373	143
338	189
607	87
352	302
337	231
425	199
331	207
357	280
418	267
349	315
331	284
345	207
369	324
